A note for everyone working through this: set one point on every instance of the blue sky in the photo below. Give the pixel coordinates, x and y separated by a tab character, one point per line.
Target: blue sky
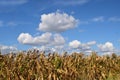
83	25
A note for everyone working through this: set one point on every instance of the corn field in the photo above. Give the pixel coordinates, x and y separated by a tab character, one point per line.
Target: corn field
76	66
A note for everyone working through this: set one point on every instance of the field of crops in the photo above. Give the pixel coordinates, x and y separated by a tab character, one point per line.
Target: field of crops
76	66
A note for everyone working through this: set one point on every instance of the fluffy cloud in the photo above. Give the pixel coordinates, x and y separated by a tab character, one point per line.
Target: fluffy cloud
57	22
58	39
7	49
84	47
26	38
45	39
106	48
12	2
42	48
75	44
50	48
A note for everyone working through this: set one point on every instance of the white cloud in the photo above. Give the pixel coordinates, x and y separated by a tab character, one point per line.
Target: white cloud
7	49
58	39
57	22
46	39
106	48
49	48
72	2
78	44
75	44
12	2
98	19
41	48
84	47
114	19
26	38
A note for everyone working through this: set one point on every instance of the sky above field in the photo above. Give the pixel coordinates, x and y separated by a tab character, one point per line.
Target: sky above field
72	25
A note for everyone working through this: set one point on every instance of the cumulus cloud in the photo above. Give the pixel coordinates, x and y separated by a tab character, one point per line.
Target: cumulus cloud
57	22
12	2
45	39
75	44
72	2
50	48
106	48
7	49
58	39
26	38
42	48
84	47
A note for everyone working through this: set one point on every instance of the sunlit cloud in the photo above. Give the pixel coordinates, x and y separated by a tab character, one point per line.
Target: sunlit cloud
57	22
46	39
106	48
